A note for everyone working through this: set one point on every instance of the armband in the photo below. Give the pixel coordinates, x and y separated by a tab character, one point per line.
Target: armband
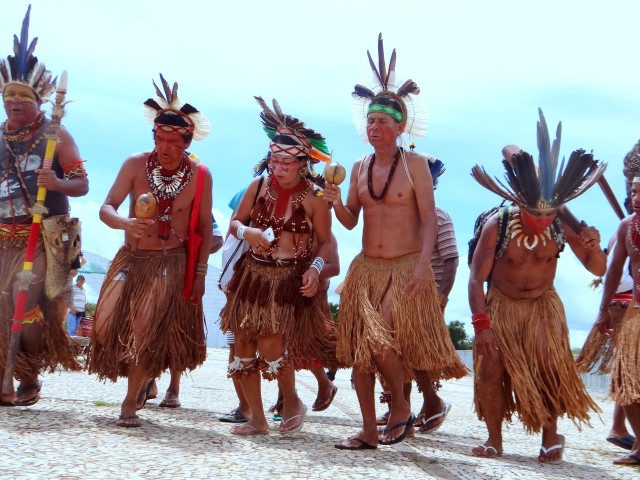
480	321
318	264
201	269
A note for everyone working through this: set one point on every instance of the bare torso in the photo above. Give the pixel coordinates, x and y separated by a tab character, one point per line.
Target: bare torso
521	273
180	209
392	226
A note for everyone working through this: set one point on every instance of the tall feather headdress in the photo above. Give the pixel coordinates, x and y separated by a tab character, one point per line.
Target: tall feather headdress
24	68
541	189
386	87
169	113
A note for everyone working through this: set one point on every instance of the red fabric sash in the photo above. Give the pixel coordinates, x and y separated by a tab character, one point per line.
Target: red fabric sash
194	237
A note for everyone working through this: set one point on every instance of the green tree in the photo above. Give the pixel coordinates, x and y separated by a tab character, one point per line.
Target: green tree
334	310
459	336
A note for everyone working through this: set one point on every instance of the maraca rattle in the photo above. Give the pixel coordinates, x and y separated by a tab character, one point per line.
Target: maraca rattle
145	205
335	174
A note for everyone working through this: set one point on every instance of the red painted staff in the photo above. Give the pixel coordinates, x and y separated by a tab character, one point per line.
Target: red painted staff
38	210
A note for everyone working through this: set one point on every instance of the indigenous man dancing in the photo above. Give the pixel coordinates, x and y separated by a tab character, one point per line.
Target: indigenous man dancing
25	84
146	319
625	368
523	362
390	318
274	306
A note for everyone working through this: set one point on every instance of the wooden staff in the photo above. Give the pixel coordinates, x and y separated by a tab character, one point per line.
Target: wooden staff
613	201
25	277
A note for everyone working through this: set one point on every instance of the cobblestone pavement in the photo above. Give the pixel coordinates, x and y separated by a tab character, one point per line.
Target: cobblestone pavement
70	434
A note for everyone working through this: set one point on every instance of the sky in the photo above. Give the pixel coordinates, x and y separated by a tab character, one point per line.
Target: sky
483	68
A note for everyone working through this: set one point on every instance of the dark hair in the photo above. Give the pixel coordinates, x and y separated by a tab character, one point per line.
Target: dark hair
80	277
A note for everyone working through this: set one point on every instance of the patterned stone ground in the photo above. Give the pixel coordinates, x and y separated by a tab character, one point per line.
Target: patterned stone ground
70	434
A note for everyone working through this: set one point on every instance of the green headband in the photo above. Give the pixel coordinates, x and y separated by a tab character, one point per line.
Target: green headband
396	115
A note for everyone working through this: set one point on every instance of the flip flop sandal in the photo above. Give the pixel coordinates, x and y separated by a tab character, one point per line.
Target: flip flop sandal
301	416
327	401
485	449
361	446
408	425
425	421
234	416
132	421
31	401
625	442
248	430
547	451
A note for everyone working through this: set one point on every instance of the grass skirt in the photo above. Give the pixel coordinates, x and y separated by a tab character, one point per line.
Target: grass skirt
625	367
420	337
57	348
537	385
264	299
598	349
174	336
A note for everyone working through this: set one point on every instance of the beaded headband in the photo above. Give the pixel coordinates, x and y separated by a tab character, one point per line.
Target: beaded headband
169	114
387	95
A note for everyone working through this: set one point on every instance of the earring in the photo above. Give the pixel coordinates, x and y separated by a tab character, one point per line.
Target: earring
302	171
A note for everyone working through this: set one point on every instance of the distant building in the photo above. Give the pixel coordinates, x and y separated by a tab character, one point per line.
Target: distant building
213	299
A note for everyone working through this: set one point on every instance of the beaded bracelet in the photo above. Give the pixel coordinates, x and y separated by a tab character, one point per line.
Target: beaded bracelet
240	232
480	321
318	264
201	269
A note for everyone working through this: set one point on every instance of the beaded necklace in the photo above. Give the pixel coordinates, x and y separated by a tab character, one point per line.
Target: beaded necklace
20	133
386	184
166	185
634	238
274	210
20	159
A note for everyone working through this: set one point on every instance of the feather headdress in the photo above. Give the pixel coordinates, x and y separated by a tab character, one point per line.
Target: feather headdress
386	92
168	113
541	189
290	136
436	167
24	68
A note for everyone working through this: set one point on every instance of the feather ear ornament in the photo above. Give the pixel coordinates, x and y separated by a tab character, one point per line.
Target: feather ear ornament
385	83
24	68
167	102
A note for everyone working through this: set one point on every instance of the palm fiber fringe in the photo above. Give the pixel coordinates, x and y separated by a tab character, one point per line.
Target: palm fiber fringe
264	299
540	379
597	353
419	336
146	320
57	348
625	367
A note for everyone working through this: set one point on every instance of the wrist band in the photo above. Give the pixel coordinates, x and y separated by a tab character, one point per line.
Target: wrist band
480	321
240	232
318	264
202	268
